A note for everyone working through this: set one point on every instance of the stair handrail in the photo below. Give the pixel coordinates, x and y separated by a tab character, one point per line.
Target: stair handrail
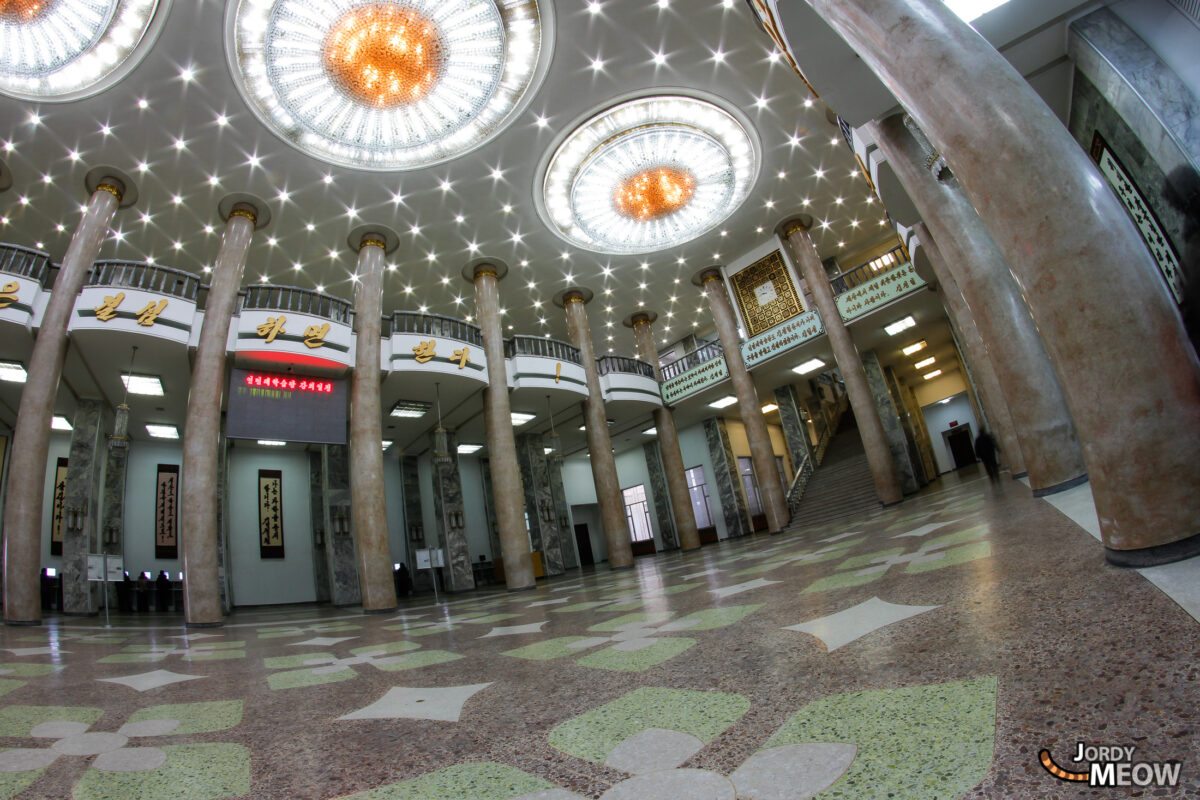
796	489
827	434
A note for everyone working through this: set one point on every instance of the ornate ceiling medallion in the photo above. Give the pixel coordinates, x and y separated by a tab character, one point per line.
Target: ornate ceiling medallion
67	49
648	174
387	84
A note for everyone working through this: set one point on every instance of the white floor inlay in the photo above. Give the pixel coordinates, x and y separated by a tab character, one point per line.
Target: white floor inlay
151	680
514	630
924	529
653	749
401	702
845	626
322	641
793	772
738	588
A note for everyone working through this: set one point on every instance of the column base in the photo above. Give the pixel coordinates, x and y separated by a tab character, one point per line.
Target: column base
893	503
776	533
1061	487
528	588
380	610
627	566
80	613
216	624
1016	476
22	623
1154	556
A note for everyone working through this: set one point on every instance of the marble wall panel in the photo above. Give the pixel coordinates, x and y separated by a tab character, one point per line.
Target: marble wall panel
661	499
320	531
340	558
892	427
562	513
448	509
795	430
86	460
726	476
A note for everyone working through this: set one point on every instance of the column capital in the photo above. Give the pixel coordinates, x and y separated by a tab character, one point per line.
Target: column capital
372	235
795	224
708	275
112	180
240	204
574	294
642	316
478	267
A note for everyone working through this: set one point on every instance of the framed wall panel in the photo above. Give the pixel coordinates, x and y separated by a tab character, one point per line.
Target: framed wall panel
166	512
58	512
270	513
765	293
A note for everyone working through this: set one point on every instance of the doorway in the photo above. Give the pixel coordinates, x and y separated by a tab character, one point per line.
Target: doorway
958	441
584	542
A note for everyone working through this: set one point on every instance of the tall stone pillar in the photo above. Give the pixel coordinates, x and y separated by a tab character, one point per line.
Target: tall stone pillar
199	498
660	495
600	452
539	502
561	510
338	515
367	495
890	419
762	454
729	483
1041	421
489	505
795	430
990	393
112	510
906	423
320	524
414	520
668	437
1094	290
866	414
109	189
81	501
508	495
448	509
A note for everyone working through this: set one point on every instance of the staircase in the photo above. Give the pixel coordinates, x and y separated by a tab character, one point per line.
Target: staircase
842	485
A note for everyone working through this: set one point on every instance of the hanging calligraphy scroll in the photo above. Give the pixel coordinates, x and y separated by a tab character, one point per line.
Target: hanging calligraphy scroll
166	515
270	513
58	514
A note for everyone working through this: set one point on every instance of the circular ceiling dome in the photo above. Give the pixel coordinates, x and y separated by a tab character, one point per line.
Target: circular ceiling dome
648	174
387	84
68	49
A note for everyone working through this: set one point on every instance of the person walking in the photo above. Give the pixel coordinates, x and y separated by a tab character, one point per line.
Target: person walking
985	450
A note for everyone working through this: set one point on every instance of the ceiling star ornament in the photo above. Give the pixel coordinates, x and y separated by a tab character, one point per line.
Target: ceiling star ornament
388	84
648	174
67	49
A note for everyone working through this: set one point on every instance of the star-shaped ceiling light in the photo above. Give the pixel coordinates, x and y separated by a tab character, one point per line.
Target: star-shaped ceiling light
67	49
387	84
648	174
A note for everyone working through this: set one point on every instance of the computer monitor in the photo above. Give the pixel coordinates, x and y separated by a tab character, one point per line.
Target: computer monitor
146	575
181	576
51	572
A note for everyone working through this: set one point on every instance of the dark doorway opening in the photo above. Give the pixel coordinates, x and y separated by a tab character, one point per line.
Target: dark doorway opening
959	441
584	542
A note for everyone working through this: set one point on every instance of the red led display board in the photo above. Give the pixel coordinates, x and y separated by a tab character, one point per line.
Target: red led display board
286	407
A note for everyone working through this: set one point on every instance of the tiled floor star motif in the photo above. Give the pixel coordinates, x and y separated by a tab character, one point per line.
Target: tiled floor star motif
310	669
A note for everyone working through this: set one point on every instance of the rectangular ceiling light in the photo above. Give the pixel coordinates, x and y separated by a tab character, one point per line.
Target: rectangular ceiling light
547	450
467	449
971	10
271	443
58	423
519	418
411	409
387	443
650	432
931	375
925	363
727	400
900	325
12	371
915	348
769	407
583	427
808	366
143	384
162	431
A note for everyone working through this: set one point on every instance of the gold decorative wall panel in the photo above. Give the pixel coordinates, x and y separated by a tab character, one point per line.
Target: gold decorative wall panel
765	293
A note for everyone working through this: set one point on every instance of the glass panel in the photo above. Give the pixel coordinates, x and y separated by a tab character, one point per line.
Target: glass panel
698	490
637	515
746	469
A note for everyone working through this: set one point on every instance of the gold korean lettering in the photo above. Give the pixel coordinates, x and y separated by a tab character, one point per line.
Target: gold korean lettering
424	351
150	313
8	295
462	357
557	371
314	335
108	309
272	327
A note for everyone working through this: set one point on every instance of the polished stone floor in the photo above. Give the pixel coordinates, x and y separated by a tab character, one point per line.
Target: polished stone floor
930	651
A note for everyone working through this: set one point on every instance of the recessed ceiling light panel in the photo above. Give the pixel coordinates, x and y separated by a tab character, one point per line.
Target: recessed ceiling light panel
387	84
68	49
648	174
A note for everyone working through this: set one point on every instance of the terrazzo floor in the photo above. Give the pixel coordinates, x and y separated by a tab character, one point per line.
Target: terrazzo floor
925	652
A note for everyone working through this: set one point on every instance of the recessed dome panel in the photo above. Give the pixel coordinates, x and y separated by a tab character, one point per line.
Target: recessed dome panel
648	174
386	84
67	49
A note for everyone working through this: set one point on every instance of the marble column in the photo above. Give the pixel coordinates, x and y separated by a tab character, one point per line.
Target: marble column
600	451
659	495
729	481
762	454
989	393
795	429
862	401
674	473
31	434
1129	374
320	526
448	509
892	428
975	266
81	501
199	496
367	495
508	495
338	515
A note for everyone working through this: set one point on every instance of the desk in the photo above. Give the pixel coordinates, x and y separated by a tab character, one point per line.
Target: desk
484	572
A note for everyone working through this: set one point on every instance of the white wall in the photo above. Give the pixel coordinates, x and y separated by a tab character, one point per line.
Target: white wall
1168	32
141	476
694	448
254	580
393	490
937	419
470	471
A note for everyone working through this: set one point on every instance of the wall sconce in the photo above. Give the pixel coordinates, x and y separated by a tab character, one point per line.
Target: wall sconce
341	524
319	537
416	533
455	519
75	518
112	535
